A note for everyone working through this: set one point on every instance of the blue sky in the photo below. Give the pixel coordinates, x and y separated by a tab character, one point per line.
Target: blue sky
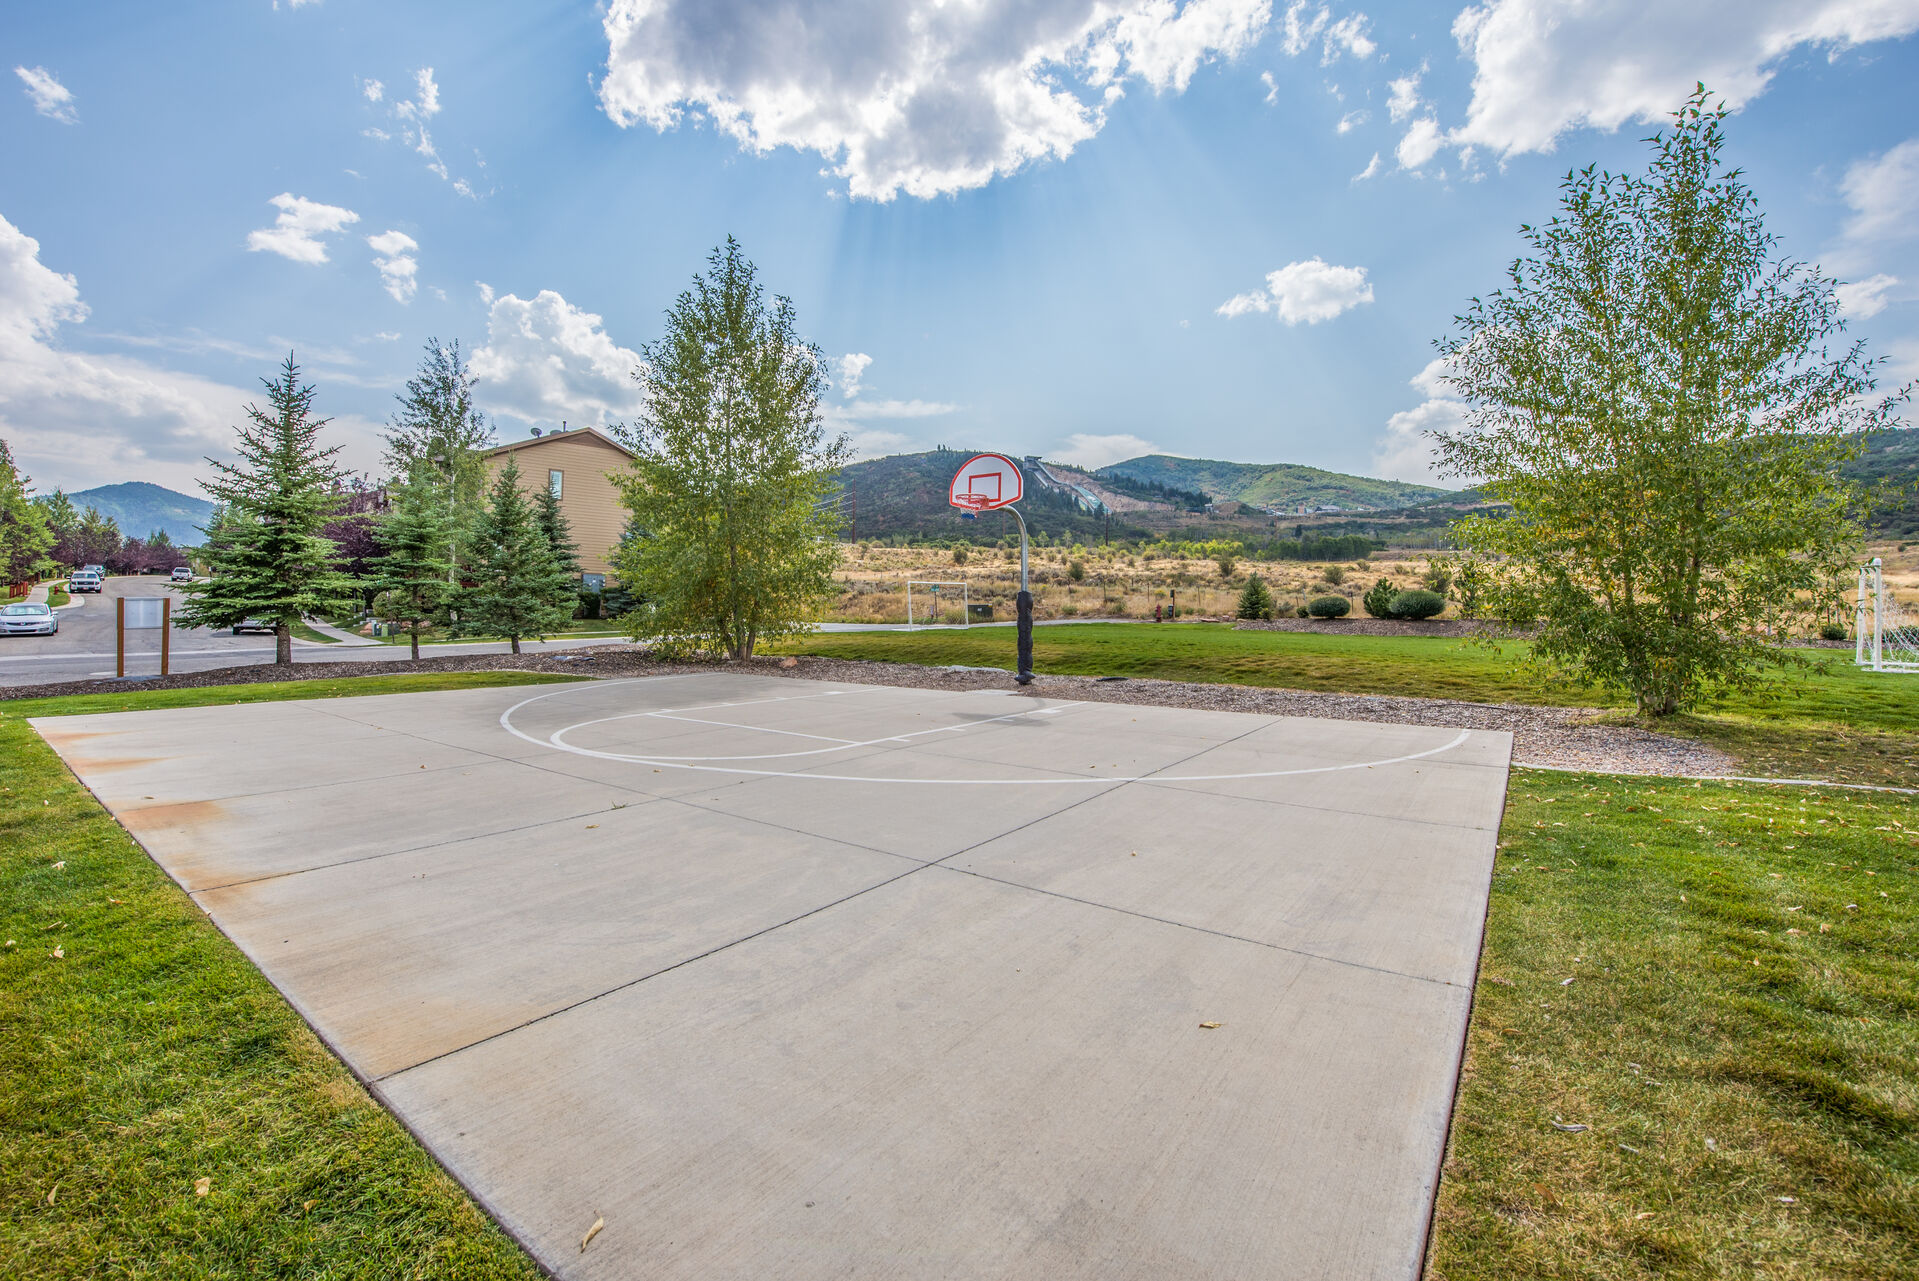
1224	228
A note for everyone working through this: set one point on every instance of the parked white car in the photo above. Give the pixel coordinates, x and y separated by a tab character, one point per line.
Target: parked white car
25	618
182	574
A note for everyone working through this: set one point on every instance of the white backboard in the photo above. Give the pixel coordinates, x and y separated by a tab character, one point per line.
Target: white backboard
986	481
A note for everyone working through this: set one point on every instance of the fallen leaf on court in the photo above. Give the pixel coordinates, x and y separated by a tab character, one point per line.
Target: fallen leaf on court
591	826
1564	982
308	1205
789	663
1569	1127
1627	1147
1711	1146
52	1192
1789	1200
591	1232
1795	931
57	866
202	1186
1211	1025
1825	927
59	954
1645	1214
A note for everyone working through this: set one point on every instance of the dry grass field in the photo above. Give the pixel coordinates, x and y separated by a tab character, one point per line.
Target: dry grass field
1110	582
1116	582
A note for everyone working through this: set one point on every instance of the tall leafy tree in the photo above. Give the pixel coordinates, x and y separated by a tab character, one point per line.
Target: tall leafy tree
63	519
732	471
436	437
96	540
267	556
25	536
1654	393
518	588
410	574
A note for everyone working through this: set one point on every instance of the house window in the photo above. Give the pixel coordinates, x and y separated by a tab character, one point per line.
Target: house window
553	479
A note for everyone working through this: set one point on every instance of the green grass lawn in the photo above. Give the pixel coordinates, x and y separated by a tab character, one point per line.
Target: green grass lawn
1828	719
140	1052
1741	1035
306	633
57	595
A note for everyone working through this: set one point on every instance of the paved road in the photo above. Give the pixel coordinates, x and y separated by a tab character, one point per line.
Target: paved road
84	646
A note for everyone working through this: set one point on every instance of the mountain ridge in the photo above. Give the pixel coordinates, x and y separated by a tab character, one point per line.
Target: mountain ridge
1284	485
140	507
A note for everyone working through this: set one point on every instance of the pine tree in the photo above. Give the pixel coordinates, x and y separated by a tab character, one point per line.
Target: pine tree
266	556
413	574
1256	599
519	589
1379	598
436	437
559	533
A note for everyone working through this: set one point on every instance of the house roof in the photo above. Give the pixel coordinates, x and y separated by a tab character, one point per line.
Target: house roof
571	433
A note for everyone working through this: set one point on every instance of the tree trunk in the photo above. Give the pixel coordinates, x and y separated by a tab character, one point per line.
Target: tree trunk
516	644
414	636
283	644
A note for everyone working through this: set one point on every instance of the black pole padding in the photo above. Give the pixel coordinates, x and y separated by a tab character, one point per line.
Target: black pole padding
1025	675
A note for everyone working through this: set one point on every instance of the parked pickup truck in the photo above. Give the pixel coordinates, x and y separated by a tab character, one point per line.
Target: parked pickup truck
84	581
182	574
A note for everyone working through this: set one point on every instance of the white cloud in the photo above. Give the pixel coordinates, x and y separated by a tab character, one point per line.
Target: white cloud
851	368
863	409
1352	120
1272	88
1404	451
1884	195
1542	67
546	360
1371	169
916	96
1094	452
1421	143
296	232
411	115
77	420
1304	293
396	263
1403	96
1863	299
1305	23
50	98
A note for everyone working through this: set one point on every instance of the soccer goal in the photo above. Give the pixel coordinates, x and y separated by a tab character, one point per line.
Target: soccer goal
934	597
1886	639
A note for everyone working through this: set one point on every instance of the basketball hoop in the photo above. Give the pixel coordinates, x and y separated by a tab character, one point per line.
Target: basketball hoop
985	483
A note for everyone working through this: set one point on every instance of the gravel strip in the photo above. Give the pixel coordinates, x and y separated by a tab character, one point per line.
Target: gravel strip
1454	627
1557	737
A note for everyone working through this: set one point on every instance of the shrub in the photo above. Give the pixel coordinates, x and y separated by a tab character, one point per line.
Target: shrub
1379	599
1256	601
1076	571
1417	604
1227	564
1437	577
1833	631
1334	574
1329	607
1302	612
959	555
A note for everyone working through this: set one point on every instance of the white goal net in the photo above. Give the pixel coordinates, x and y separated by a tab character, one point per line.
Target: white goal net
930	603
1887	639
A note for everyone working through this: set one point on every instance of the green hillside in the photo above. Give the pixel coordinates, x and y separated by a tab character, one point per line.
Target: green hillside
904	496
139	508
1890	459
1285	485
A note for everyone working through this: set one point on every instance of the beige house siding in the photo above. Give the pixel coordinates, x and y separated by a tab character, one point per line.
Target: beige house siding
590	501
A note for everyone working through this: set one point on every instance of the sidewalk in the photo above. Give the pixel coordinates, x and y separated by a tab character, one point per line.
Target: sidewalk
338	634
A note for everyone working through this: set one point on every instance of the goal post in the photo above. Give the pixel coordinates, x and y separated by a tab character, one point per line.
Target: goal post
1884	639
935	595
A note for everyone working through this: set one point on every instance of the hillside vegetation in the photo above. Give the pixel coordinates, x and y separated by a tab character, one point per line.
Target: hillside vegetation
1285	485
904	496
139	508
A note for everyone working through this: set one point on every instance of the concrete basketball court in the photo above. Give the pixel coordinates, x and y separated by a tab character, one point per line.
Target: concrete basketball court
791	979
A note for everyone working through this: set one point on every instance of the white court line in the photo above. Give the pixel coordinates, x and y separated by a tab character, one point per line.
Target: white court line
659	762
558	737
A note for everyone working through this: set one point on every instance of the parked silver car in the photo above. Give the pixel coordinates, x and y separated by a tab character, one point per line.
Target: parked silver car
25	618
